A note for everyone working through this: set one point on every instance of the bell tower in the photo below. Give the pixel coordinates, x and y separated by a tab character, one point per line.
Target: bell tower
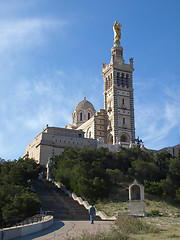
118	94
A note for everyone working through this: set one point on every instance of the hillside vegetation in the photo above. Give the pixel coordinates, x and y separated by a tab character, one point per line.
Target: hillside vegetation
17	200
103	178
92	173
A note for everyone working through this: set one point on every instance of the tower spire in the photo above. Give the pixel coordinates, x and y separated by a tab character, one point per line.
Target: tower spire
118	95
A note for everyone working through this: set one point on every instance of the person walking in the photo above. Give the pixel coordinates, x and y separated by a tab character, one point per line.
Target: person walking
92	212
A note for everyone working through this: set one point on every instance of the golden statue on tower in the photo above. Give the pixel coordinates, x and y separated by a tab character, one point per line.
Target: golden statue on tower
117	32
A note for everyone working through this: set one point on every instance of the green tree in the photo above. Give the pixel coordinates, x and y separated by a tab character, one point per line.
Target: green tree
22	205
174	170
153	187
168	188
115	175
178	195
18	172
162	159
145	171
16	197
83	171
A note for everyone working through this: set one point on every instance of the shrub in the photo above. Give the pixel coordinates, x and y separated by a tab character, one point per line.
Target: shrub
168	187
130	224
178	195
153	187
154	213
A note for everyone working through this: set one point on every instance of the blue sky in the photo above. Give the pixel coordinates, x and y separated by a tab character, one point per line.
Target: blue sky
51	53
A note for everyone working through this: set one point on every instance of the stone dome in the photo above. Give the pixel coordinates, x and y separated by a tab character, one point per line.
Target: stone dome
84	105
83	112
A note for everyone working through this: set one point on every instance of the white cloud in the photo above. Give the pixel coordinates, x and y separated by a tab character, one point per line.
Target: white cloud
13	6
28	105
45	115
22	33
156	120
37	120
32	103
144	84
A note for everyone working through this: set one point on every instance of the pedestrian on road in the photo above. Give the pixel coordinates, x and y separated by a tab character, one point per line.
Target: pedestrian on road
92	212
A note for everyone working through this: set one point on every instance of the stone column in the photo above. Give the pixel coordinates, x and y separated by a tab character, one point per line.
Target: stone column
48	175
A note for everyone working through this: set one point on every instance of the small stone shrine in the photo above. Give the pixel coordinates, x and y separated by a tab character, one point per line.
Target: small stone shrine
136	199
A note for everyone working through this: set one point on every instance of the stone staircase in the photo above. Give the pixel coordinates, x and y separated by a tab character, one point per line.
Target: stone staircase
54	199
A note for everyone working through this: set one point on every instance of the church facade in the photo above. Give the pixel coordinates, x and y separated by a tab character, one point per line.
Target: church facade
115	123
111	127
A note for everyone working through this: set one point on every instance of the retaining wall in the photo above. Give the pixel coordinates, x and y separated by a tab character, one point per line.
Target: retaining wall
19	231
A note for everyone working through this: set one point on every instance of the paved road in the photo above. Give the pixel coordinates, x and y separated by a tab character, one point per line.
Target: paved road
60	230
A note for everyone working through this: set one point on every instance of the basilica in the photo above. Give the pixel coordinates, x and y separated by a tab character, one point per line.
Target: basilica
111	127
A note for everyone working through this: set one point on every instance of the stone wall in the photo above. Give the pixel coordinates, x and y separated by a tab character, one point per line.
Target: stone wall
52	142
20	231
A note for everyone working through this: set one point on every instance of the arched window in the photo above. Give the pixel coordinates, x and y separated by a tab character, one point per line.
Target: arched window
89	115
135	192
123	101
110	139
109	82
106	84
127	80
122	79
124	138
118	79
81	116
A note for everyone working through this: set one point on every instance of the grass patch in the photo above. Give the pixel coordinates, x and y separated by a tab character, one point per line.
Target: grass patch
118	203
129	224
154	213
164	214
174	236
